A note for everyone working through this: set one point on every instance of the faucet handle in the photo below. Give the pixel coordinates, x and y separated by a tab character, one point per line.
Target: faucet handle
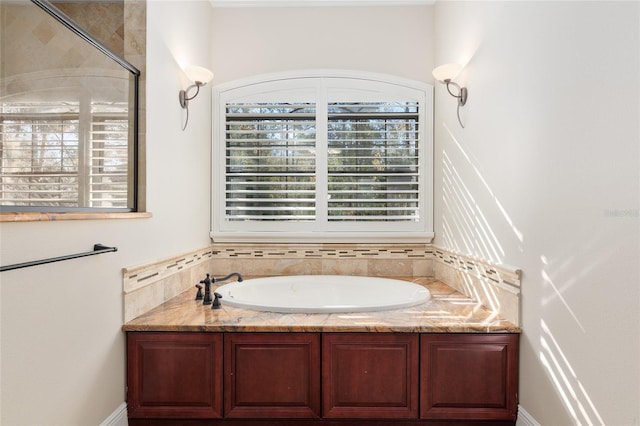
216	302
199	295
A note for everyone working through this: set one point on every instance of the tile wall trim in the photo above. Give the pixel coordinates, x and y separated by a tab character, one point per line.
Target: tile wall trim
503	276
137	277
322	251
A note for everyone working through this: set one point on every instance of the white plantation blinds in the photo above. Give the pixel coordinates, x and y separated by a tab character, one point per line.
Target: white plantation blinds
373	163
270	162
323	159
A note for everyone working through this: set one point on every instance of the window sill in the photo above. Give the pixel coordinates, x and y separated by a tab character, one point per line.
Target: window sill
46	217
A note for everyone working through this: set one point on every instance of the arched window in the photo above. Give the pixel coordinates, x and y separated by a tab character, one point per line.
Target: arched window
322	157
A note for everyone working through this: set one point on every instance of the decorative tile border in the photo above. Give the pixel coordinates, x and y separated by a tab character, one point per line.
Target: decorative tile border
499	275
322	251
400	260
140	276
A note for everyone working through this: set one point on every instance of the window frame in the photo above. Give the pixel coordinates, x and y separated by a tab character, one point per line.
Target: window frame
315	85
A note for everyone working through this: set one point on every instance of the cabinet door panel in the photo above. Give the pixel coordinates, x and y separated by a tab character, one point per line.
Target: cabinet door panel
272	375
174	375
469	376
370	375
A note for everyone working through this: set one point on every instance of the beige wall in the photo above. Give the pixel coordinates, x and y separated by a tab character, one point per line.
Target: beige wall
390	40
546	176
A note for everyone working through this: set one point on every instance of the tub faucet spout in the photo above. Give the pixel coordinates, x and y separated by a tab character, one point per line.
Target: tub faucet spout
233	274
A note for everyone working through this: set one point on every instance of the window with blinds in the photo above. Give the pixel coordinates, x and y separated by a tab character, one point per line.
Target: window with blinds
49	161
323	159
270	162
373	162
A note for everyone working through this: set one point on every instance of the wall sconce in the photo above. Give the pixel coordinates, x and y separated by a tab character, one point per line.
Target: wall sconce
444	74
200	76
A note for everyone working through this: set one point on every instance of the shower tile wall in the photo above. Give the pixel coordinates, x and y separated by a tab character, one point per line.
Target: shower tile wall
103	20
25	52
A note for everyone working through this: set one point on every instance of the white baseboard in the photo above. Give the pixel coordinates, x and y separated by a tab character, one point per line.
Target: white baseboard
525	419
118	417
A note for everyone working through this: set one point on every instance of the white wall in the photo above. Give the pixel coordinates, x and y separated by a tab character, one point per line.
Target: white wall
63	354
545	176
389	40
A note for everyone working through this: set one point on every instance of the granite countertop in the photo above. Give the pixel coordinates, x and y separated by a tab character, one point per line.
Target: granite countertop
448	311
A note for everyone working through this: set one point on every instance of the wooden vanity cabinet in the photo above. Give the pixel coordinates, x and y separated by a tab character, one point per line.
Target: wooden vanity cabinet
271	375
217	379
469	376
174	375
370	375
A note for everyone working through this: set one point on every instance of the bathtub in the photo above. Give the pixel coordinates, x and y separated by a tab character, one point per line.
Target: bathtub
322	294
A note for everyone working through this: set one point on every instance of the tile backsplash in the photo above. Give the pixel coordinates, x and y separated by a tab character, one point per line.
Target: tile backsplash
497	287
148	286
327	259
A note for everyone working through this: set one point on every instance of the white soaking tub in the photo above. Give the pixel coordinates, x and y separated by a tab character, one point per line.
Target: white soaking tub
322	294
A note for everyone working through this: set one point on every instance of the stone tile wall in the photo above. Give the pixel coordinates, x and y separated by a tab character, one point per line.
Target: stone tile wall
497	287
150	285
328	259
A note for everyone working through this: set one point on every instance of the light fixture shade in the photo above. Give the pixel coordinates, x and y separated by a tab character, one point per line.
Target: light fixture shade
200	74
446	72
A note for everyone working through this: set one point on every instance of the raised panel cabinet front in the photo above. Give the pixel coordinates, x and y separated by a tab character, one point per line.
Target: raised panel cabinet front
174	375
370	375
272	375
469	376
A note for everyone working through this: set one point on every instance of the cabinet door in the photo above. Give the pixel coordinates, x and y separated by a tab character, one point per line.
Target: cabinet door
370	375
272	375
174	375
467	376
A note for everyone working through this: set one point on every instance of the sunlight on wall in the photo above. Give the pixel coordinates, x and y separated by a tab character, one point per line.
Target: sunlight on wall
518	234
465	217
557	294
573	394
465	226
